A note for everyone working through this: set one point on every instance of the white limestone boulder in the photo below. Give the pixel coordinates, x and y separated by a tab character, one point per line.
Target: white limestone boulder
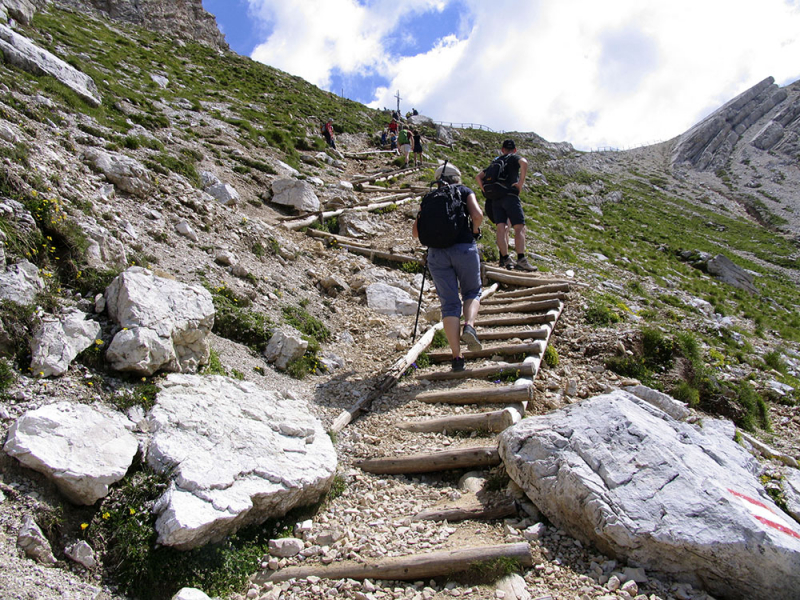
224	193
295	193
24	54
165	323
104	250
621	474
32	541
127	173
190	594
21	10
59	339
285	345
20	283
237	455
83	449
389	300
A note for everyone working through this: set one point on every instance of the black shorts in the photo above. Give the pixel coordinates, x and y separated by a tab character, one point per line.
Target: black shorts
508	208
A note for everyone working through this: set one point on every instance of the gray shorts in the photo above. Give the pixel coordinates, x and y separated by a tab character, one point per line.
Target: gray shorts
455	268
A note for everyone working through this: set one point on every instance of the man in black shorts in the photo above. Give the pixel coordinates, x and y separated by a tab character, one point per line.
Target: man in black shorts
509	209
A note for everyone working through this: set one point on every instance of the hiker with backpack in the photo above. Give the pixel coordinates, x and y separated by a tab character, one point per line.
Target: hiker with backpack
327	133
404	140
449	223
501	183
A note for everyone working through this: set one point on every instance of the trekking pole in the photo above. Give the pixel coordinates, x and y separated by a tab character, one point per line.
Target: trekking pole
419	303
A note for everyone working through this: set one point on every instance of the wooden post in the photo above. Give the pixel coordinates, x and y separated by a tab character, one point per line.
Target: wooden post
511	321
430	462
507	277
528	307
523	334
473	512
499	395
541	289
408	568
520	299
373	254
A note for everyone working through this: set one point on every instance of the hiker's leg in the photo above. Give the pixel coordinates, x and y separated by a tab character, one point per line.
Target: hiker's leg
519	238
471	311
452	329
502	238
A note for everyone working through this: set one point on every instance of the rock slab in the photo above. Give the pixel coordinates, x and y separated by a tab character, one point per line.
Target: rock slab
59	340
83	449
621	474
237	454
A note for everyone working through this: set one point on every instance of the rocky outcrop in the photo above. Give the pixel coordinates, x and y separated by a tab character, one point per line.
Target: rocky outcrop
21	10
709	144
83	449
621	474
19	51
165	324
389	300
58	340
237	454
296	194
20	283
127	173
182	18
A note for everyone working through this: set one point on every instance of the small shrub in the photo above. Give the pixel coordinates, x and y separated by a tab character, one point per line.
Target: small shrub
7	375
756	412
551	356
214	366
439	339
600	313
774	360
656	349
299	318
686	393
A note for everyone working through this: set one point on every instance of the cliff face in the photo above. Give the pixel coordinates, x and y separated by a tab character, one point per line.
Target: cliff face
183	18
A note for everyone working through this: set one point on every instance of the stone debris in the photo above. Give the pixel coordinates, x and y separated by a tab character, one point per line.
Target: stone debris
32	541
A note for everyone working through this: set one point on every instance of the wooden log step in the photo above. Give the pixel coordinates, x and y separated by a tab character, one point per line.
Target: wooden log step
408	568
511	349
524	280
523	334
339	239
524	298
494	422
527	307
539	289
490	395
373	254
523	369
430	462
512	321
472	512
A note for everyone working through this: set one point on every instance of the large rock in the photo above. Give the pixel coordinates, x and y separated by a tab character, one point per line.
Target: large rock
237	455
83	449
224	193
24	54
33	542
285	345
295	193
104	252
619	473
21	10
389	300
165	323
20	283
725	270
58	340
127	173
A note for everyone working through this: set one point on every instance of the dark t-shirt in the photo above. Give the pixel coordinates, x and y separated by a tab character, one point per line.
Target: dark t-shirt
512	169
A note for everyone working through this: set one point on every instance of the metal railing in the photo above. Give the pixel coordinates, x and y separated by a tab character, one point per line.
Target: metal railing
468	126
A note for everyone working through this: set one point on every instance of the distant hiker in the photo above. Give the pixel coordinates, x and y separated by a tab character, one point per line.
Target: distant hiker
414	112
501	182
393	126
393	141
404	139
449	222
417	147
384	139
327	133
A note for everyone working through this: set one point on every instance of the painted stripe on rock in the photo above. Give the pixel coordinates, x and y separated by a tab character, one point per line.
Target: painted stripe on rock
765	515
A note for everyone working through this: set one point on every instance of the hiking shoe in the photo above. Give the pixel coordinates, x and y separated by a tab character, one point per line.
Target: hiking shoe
458	364
506	262
470	337
524	265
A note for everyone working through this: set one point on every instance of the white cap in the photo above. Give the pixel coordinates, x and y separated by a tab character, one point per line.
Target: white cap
451	170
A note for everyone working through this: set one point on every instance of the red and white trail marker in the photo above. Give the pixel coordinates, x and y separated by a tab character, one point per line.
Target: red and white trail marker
765	515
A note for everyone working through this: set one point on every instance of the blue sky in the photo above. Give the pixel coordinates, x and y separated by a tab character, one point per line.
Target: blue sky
618	73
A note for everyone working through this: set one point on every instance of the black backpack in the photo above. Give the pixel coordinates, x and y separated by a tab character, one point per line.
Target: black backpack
442	218
495	178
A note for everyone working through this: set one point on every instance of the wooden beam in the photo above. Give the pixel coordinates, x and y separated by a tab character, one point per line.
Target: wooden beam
430	462
507	277
527	307
521	298
512	321
524	369
494	395
494	422
523	334
473	512
339	239
540	289
408	568
535	348
306	221
373	254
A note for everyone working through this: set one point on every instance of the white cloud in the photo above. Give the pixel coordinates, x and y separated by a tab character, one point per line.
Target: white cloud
618	73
